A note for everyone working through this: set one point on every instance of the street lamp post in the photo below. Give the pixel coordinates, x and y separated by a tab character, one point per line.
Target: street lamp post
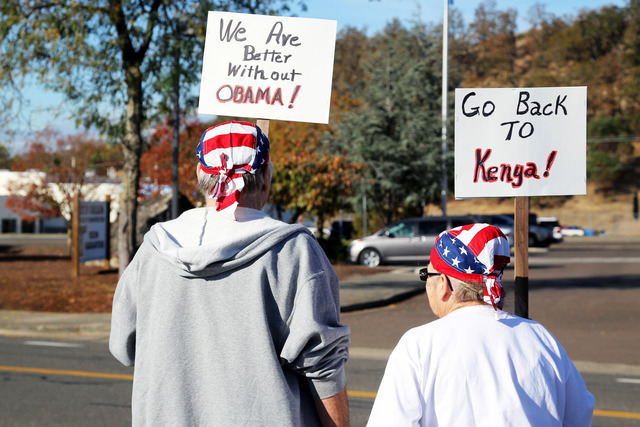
176	133
445	84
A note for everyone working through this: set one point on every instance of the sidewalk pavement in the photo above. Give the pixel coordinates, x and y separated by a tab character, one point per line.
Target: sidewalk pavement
357	293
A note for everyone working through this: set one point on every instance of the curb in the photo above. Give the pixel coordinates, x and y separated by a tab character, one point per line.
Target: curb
77	334
382	302
97	326
101	330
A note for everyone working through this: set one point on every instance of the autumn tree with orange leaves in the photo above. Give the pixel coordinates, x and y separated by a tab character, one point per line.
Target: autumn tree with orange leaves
308	180
155	163
61	166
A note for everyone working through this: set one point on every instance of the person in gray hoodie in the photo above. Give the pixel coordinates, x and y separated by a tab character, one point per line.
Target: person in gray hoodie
229	316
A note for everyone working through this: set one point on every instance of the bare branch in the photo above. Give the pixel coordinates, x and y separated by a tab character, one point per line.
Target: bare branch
151	23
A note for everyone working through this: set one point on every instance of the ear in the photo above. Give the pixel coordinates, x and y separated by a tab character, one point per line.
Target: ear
198	169
266	178
444	293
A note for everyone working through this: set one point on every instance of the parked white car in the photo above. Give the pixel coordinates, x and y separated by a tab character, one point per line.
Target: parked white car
554	225
572	230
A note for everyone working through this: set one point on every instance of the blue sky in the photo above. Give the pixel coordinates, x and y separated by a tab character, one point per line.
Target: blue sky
373	15
362	14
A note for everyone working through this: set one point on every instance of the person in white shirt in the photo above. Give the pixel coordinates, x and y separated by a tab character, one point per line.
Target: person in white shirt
477	365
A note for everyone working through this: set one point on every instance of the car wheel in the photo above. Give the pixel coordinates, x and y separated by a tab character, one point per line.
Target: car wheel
532	241
370	258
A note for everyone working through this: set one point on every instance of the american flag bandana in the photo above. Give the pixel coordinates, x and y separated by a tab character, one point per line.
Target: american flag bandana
476	253
230	150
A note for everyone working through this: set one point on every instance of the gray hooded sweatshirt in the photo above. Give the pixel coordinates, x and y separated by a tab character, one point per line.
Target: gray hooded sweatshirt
229	323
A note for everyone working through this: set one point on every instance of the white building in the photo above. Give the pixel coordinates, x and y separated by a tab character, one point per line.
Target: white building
11	222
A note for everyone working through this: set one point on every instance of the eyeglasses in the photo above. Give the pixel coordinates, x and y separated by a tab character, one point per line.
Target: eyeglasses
425	274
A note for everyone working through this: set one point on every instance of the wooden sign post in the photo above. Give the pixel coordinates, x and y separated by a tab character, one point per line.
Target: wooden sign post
521	254
519	143
264	126
75	235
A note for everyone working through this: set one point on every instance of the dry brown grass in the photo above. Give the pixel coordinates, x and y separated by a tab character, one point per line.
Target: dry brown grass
612	213
39	278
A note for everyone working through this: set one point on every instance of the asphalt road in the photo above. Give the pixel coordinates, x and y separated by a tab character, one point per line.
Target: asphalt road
585	292
47	383
79	384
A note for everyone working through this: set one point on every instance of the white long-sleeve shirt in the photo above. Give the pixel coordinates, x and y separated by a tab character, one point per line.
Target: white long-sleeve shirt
469	369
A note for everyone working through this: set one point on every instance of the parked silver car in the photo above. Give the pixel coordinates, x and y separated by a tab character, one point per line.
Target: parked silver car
538	235
407	240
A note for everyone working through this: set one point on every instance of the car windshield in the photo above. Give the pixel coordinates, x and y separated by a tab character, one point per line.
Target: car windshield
502	221
432	227
401	229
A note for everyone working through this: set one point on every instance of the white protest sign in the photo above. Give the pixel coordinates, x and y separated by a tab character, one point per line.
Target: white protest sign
520	142
267	67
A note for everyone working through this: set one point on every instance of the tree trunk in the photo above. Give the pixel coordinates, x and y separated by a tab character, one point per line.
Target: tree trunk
132	149
319	226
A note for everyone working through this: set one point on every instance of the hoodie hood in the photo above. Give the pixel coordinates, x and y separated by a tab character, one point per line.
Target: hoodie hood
203	242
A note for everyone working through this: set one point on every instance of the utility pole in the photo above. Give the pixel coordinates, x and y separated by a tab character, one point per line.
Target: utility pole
445	84
176	132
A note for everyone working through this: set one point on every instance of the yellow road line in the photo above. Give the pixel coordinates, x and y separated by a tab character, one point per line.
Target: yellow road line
69	373
367	394
616	414
352	393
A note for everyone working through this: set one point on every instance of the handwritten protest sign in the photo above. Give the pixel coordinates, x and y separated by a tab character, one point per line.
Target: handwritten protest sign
520	142
267	67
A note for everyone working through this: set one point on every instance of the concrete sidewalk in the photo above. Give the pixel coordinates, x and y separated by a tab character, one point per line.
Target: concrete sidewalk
357	293
378	290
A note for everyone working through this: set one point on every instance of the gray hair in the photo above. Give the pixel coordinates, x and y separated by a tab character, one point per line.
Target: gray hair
471	292
252	183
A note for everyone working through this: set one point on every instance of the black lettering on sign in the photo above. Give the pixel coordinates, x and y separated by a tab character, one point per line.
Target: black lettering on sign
277	34
535	108
228	34
524	131
257	73
487	108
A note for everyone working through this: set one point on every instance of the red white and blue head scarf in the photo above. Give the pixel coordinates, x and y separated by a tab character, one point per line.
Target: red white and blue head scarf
476	253
230	150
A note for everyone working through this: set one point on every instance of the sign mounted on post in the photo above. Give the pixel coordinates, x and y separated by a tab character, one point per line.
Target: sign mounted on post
267	66
520	142
94	231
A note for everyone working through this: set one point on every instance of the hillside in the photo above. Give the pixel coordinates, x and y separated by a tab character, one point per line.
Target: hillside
613	214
